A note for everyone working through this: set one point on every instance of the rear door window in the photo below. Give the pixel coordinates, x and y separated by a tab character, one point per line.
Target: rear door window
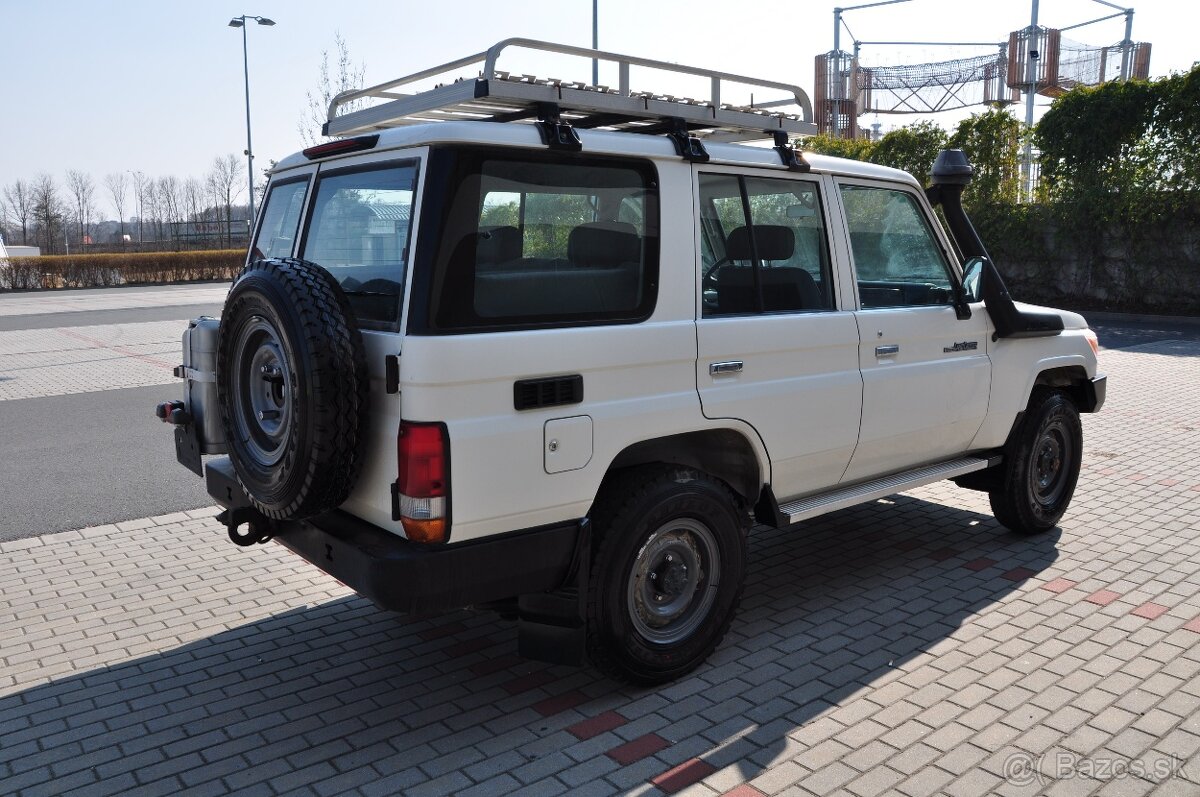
763	246
359	230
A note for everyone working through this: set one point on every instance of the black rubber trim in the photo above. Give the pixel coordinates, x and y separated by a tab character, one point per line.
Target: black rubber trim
1008	319
402	576
1095	391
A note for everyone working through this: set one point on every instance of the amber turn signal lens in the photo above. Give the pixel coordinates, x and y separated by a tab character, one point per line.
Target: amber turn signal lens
425	530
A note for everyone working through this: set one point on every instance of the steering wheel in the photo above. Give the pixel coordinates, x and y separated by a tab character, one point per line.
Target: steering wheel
710	273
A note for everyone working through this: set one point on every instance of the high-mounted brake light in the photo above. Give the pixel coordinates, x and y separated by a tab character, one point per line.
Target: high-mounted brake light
341	147
422	487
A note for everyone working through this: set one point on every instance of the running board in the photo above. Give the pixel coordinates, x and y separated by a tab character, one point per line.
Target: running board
813	505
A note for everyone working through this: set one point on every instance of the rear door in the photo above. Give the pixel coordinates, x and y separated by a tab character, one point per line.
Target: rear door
359	227
926	373
777	348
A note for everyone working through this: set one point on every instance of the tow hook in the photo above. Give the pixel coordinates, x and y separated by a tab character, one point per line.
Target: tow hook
259	530
173	412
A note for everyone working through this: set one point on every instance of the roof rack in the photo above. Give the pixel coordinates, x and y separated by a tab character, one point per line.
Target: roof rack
558	106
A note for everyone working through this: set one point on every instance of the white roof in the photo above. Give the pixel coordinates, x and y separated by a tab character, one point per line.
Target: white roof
525	136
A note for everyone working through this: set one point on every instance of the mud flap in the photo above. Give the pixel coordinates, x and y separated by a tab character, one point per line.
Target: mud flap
552	626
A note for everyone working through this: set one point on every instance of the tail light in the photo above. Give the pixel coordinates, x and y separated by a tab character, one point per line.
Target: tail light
422	490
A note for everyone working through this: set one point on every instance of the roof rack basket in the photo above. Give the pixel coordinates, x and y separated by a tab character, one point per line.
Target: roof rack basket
499	96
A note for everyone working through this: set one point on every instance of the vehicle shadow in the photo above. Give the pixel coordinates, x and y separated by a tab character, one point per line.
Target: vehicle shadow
344	695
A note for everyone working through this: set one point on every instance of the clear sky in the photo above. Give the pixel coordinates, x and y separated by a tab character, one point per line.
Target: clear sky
156	85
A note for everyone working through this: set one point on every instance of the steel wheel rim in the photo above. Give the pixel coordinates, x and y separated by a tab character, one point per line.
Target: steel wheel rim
262	391
673	582
1050	465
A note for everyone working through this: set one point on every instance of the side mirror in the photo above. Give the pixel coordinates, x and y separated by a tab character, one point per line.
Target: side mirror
972	284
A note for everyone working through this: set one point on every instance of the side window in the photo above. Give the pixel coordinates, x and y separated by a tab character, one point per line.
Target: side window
896	257
530	243
358	231
280	219
763	246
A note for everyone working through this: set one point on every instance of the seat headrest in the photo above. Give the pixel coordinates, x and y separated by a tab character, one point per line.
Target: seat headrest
774	241
604	243
498	245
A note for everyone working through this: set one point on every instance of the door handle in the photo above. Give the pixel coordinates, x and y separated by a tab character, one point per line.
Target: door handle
887	351
728	367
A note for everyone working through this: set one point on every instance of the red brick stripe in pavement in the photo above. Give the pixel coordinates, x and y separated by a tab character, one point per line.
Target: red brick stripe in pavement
597	725
1102	597
691	771
99	344
1151	611
559	703
745	790
639	748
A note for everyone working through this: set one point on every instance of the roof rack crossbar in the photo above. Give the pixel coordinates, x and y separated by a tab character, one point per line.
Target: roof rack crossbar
497	95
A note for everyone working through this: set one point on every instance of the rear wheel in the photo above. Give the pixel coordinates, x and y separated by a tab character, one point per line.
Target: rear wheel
1041	465
667	573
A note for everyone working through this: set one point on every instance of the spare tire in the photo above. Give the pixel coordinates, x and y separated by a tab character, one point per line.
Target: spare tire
291	387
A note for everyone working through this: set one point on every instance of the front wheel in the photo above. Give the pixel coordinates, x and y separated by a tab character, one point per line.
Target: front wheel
1041	466
667	573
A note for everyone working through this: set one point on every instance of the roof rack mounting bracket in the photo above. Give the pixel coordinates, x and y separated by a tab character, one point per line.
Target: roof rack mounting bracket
556	134
787	153
689	147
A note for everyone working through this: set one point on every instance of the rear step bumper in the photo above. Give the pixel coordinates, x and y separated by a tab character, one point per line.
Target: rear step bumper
402	576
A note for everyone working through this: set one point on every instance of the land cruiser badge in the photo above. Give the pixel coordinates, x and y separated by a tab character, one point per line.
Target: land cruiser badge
966	345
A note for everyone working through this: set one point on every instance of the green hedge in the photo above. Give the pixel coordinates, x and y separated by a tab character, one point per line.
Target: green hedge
133	268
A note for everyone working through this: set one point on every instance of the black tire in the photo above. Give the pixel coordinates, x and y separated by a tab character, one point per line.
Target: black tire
667	572
1041	465
289	348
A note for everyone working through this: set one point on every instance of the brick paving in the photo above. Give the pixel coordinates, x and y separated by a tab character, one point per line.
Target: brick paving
52	362
909	646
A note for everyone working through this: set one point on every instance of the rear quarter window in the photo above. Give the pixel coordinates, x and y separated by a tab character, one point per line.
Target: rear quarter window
281	218
535	239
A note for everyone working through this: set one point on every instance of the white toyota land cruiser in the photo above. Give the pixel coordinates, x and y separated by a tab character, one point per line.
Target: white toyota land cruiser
560	366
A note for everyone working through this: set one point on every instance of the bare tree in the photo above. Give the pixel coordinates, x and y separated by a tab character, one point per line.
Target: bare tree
224	179
19	198
49	214
141	185
83	200
193	199
349	76
117	187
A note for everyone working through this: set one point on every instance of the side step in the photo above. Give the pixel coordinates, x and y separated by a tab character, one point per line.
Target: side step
813	505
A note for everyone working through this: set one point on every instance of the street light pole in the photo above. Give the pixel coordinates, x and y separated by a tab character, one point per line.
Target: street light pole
595	41
240	22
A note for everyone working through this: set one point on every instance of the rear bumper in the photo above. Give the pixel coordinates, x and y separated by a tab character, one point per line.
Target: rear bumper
1094	393
402	576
